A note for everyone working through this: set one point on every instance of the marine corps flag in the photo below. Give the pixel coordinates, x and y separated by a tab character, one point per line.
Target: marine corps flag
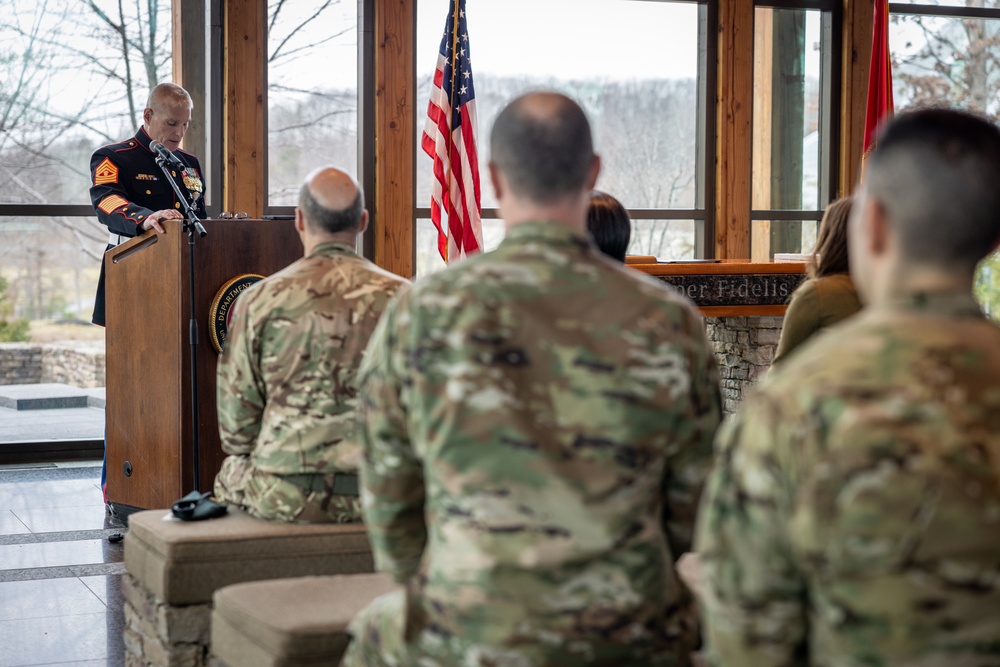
880	106
450	139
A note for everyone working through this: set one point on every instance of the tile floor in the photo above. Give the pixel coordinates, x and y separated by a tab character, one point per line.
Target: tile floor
60	577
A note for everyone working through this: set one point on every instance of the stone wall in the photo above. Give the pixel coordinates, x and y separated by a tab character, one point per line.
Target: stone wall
20	363
162	635
77	364
744	348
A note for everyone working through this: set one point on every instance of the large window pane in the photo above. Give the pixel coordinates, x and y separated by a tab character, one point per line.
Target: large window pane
799	237
786	109
312	91
633	65
74	76
663	239
51	265
943	60
792	126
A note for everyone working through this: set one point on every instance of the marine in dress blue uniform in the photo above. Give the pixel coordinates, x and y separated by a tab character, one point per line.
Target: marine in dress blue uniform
128	186
130	192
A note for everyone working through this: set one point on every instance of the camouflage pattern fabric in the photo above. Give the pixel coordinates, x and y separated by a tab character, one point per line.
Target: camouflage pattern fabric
537	427
287	378
288	498
853	517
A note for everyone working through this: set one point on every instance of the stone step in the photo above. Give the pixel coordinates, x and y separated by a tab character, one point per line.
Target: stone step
48	397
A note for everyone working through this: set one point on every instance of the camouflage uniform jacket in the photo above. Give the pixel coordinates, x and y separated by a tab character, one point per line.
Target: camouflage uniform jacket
287	382
853	517
537	425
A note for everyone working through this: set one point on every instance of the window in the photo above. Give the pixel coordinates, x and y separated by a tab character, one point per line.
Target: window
949	52
639	70
794	115
75	76
312	93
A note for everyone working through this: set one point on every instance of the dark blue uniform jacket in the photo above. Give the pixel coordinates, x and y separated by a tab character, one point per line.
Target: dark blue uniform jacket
128	185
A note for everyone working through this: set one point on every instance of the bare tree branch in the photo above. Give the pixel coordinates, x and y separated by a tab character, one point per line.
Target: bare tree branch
276	53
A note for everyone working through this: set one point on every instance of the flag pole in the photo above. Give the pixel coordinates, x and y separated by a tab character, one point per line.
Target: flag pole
451	131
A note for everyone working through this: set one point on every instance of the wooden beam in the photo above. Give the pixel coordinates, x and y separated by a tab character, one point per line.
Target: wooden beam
395	91
857	32
244	136
733	131
763	64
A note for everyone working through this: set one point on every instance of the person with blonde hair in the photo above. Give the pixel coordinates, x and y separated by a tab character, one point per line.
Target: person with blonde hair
828	295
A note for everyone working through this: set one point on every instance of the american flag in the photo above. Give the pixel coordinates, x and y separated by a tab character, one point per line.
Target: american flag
450	139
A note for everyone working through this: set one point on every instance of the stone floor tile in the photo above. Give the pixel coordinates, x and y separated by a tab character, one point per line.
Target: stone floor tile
48	520
46	598
62	639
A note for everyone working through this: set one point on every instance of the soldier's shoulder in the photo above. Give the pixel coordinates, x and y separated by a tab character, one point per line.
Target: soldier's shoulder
118	148
388	279
652	294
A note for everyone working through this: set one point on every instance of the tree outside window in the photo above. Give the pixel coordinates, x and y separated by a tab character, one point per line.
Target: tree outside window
74	75
953	58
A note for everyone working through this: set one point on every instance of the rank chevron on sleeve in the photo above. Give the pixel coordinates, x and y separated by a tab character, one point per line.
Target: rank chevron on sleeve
106	172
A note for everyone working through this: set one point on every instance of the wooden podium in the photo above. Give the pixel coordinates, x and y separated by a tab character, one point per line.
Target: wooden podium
148	415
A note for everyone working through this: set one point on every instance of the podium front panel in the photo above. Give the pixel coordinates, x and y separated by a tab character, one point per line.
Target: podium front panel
148	412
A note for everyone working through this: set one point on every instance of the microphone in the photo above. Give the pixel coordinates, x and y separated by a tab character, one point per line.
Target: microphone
165	154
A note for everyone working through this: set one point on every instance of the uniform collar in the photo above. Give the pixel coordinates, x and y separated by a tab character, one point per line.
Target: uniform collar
332	249
948	303
143	138
546	232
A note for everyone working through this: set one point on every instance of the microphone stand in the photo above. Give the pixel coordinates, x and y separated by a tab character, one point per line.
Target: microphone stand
192	225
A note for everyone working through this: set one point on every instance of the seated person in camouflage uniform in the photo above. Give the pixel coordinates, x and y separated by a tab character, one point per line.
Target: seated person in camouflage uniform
287	379
537	425
854	514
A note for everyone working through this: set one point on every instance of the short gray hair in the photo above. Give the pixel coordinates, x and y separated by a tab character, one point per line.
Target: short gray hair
329	220
544	157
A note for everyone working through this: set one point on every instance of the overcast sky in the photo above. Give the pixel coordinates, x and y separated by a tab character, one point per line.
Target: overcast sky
569	39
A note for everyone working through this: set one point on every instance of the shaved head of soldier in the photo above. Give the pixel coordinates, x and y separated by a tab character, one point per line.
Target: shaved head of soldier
331	203
541	146
167	114
930	202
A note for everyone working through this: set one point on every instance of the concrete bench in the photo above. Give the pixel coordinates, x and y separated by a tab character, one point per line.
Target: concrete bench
174	567
290	622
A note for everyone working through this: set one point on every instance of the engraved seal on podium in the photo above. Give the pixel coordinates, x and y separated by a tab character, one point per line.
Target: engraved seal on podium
222	306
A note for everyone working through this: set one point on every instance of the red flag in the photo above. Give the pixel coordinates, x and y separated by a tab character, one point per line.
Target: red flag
450	139
880	106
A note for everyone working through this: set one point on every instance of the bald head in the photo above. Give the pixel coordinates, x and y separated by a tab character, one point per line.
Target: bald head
168	96
936	175
331	201
541	143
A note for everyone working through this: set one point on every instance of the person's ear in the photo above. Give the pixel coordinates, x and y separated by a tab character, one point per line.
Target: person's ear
300	222
147	116
495	180
594	172
879	229
364	222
